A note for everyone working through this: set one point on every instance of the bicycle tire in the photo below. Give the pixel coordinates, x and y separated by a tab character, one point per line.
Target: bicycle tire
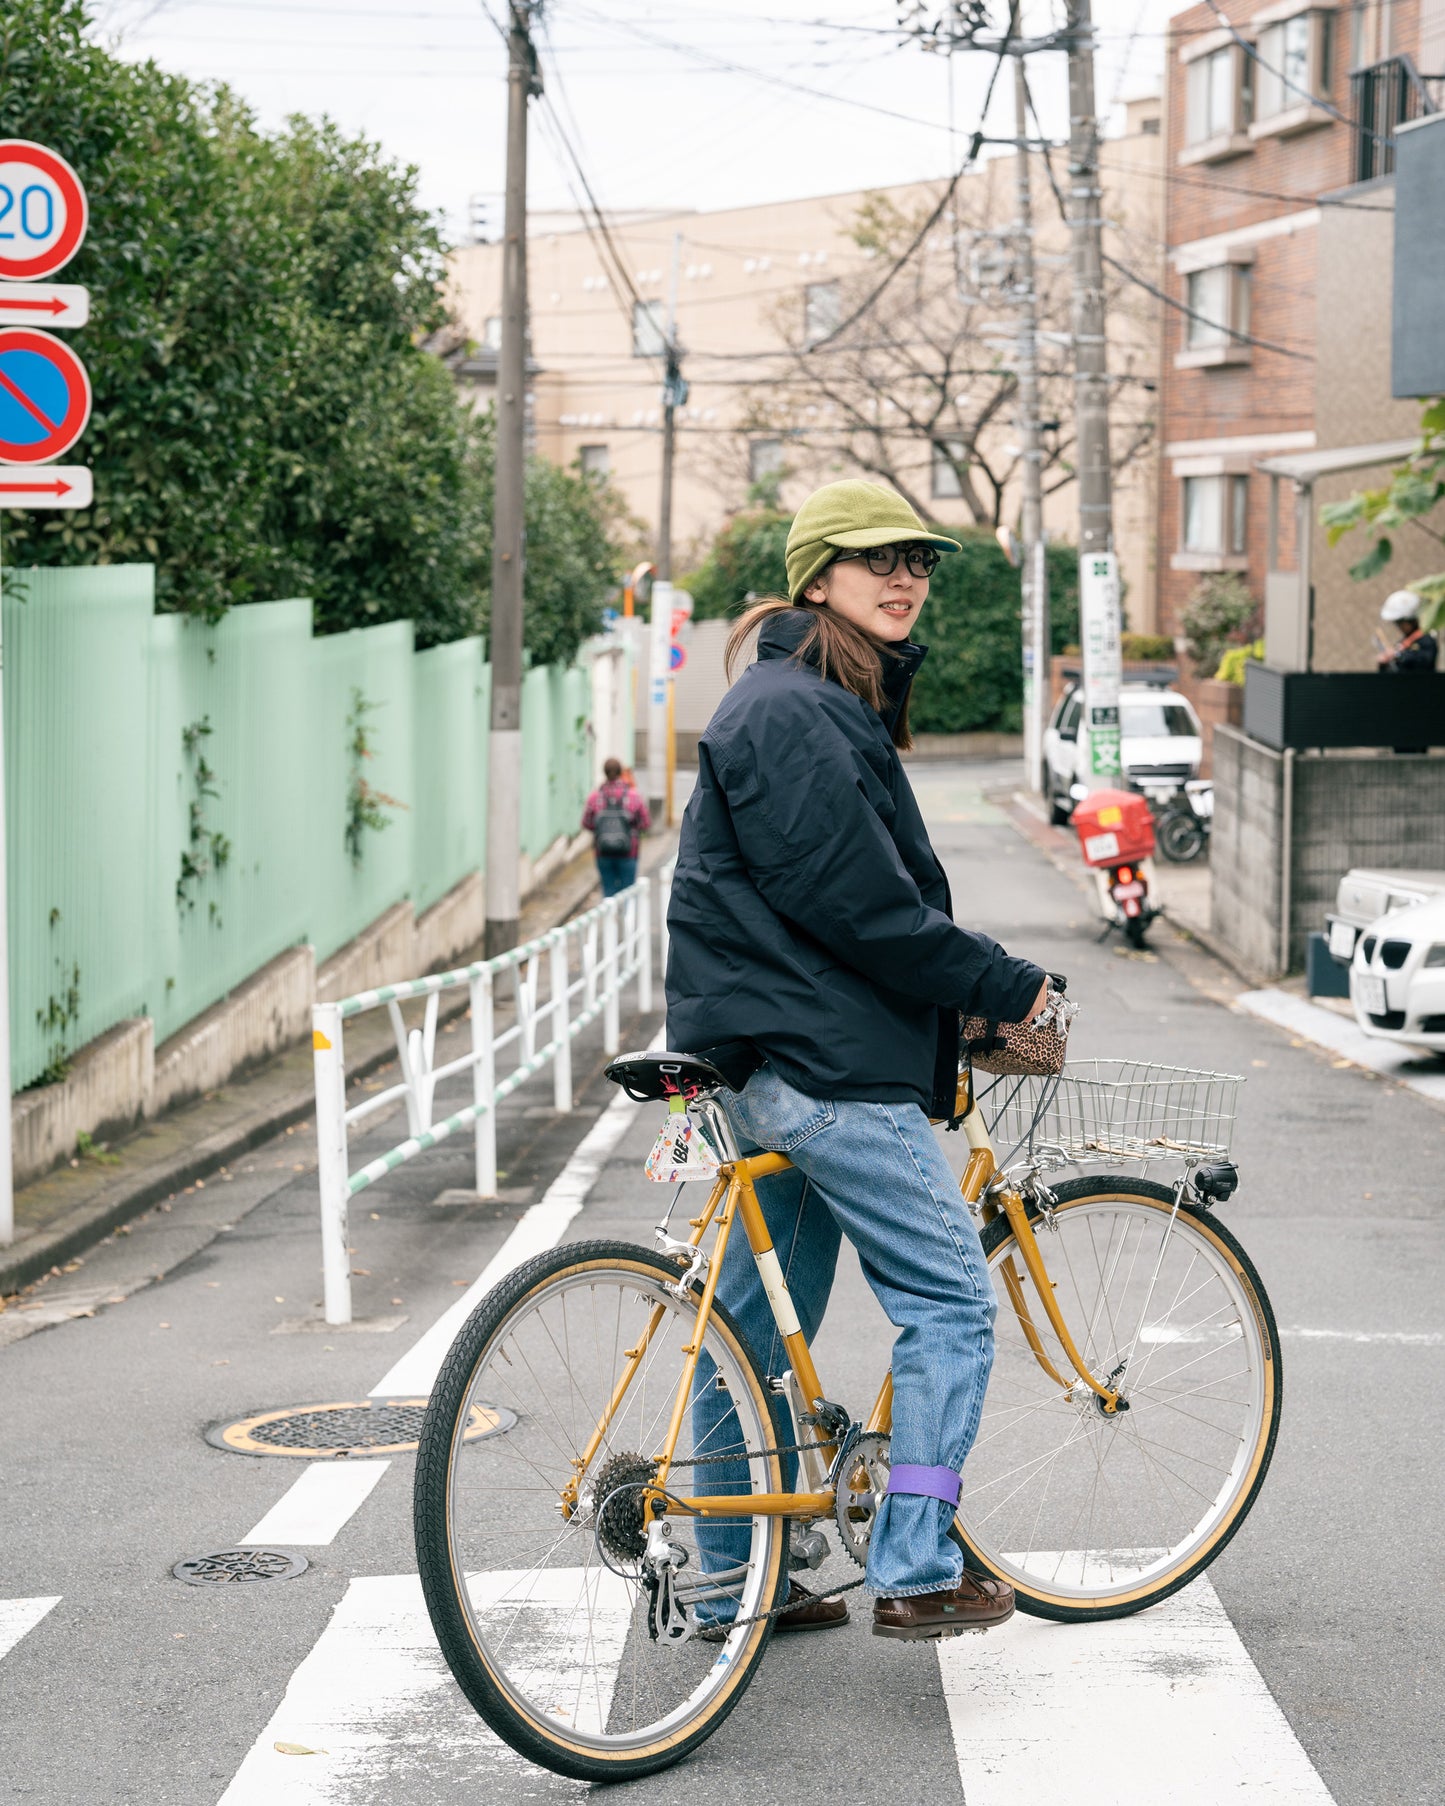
548	1744
1038	1601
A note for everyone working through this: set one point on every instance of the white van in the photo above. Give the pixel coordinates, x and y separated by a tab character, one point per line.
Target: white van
1162	743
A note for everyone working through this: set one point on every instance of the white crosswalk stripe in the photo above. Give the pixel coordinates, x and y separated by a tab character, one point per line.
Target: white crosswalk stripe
315	1509
19	1616
1162	1709
375	1699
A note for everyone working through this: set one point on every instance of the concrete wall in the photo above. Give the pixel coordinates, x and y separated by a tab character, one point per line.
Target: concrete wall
1355	809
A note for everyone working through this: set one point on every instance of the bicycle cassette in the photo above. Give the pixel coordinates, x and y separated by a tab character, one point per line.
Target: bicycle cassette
862	1482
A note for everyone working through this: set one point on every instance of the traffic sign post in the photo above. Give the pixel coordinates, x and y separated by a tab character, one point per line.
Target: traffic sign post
44	407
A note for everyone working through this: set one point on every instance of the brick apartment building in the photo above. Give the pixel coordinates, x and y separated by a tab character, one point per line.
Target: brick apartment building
1276	382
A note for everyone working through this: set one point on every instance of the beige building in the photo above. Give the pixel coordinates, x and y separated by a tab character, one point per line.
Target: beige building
919	392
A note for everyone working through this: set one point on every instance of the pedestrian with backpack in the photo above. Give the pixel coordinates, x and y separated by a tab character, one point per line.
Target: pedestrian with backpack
617	816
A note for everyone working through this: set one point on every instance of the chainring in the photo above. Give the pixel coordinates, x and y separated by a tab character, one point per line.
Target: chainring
862	1482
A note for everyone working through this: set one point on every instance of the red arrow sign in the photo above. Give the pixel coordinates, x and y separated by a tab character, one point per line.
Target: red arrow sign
54	303
55	488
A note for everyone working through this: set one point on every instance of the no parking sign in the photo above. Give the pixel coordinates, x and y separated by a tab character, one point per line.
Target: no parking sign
44	396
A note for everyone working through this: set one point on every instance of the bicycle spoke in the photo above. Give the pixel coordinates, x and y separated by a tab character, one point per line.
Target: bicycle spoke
1057	1492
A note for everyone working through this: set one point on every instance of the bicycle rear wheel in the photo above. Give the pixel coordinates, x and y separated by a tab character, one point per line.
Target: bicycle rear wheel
1092	1516
544	1618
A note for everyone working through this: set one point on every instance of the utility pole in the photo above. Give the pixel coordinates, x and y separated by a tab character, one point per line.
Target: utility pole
1099	764
659	638
504	813
1031	522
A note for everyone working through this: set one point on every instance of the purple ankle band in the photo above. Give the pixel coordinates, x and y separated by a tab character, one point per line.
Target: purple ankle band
926	1482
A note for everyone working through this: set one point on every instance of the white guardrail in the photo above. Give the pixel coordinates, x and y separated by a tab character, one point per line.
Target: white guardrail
613	945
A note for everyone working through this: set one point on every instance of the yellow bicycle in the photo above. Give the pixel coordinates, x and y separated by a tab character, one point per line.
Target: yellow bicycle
602	1566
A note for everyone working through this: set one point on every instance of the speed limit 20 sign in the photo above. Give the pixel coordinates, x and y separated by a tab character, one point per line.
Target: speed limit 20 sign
44	389
42	211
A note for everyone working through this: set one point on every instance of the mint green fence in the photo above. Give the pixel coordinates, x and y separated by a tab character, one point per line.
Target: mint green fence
185	802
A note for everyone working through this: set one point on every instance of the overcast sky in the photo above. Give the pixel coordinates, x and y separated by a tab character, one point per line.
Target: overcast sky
672	103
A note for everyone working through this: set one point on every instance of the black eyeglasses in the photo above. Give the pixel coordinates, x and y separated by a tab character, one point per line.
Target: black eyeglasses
883	560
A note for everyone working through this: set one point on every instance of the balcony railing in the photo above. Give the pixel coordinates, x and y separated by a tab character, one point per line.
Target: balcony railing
1387	95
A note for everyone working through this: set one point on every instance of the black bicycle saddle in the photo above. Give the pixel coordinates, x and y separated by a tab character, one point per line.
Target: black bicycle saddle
649	1076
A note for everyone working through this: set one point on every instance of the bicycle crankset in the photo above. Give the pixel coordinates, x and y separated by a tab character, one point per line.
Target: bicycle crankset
862	1482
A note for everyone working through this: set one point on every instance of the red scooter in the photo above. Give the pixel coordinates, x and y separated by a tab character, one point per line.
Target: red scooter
1116	836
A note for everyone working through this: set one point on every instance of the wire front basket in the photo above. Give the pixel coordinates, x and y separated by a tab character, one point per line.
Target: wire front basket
1114	1109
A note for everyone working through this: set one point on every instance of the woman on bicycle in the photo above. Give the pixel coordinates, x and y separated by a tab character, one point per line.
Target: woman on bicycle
811	918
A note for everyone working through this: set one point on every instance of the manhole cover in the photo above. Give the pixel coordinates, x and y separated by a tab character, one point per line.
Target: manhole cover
240	1567
319	1432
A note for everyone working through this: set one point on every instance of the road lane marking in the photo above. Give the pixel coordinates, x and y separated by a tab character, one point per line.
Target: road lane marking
317	1507
1343	1035
539	1229
19	1616
1402	1338
1162	1709
377	1708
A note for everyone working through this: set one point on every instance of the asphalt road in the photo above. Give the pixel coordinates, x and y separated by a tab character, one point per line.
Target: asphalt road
135	1687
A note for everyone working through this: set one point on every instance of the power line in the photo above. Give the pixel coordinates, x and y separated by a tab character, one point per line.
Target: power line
1315	100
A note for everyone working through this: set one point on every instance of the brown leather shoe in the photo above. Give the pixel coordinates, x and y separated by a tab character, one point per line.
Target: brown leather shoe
806	1611
978	1602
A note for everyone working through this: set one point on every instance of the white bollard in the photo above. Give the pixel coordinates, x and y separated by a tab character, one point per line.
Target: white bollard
611	1028
330	1068
484	1085
562	1059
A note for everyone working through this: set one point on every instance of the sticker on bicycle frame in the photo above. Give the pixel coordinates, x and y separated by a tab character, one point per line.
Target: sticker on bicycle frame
681	1151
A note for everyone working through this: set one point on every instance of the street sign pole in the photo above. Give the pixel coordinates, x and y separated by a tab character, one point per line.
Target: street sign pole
44	408
7	1165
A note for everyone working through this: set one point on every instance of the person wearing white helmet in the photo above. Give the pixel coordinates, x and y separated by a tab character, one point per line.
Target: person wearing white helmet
1415	650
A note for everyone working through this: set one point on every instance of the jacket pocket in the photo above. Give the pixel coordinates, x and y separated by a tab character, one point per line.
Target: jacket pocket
778	1117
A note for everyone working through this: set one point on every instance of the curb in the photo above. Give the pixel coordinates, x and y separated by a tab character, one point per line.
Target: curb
83	1224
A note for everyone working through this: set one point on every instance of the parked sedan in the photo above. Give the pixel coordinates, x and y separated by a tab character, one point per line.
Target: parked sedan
1397	977
1161	744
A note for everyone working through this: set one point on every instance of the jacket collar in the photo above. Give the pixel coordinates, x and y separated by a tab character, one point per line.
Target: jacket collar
782	634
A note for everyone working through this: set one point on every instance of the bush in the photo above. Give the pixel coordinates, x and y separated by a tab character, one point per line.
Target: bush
1231	666
266	423
1220	610
1147	648
972	680
745	561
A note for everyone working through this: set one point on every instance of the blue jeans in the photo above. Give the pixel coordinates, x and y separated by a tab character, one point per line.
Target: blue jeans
616	874
875	1173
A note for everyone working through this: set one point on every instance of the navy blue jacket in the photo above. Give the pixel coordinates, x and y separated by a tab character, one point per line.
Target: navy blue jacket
809	912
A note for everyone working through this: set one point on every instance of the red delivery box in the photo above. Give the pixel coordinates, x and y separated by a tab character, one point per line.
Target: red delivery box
1114	826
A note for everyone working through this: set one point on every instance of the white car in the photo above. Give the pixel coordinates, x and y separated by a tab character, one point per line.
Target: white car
1162	744
1397	976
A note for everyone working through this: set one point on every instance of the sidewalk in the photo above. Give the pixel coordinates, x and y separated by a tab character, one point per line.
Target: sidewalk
67	1211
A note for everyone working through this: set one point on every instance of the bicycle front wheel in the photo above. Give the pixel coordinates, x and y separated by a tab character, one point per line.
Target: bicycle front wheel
540	1596
1094	1516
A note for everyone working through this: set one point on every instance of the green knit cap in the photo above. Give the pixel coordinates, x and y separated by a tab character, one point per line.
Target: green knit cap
850	516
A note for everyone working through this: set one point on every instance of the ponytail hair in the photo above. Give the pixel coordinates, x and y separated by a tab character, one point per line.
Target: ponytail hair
840	650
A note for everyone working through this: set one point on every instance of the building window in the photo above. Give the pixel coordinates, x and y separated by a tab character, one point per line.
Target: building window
1214	99
595	461
1215	515
492	333
946	481
1218	303
822	310
1293	65
649	329
765	459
